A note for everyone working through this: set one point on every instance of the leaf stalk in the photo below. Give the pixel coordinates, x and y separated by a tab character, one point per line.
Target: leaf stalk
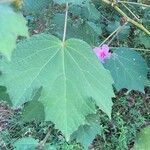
65	24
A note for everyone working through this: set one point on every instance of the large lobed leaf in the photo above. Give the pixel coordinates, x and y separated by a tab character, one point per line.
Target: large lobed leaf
71	77
12	24
128	69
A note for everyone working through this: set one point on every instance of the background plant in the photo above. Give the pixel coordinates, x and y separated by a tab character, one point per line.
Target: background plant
88	21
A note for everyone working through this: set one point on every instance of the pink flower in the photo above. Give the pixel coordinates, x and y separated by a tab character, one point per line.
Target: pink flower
102	52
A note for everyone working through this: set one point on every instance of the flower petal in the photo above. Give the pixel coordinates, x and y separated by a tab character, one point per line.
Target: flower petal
97	51
105	47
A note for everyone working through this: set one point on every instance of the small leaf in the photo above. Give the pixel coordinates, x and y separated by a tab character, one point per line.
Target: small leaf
95	27
87	32
48	146
143	140
27	143
128	69
35	6
86	133
4	95
94	14
33	110
86	11
147	82
12	24
144	39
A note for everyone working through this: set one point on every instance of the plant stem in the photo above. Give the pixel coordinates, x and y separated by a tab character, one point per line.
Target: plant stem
42	143
113	34
137	49
139	25
119	30
110	36
65	24
134	3
131	12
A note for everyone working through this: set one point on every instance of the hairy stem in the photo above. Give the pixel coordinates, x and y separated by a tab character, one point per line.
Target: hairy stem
139	25
65	24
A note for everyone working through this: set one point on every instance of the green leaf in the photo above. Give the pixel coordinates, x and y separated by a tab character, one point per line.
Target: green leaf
86	133
146	19
88	32
4	96
35	6
69	1
123	34
143	140
12	24
33	110
97	29
147	82
128	69
86	11
70	76
48	146
93	13
144	39
27	143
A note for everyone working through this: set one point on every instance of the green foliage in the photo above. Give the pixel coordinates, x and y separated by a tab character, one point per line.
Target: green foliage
123	34
12	25
63	82
87	11
33	110
143	142
4	95
29	143
35	6
57	73
25	144
49	147
127	118
86	133
69	1
86	30
128	115
128	69
144	39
